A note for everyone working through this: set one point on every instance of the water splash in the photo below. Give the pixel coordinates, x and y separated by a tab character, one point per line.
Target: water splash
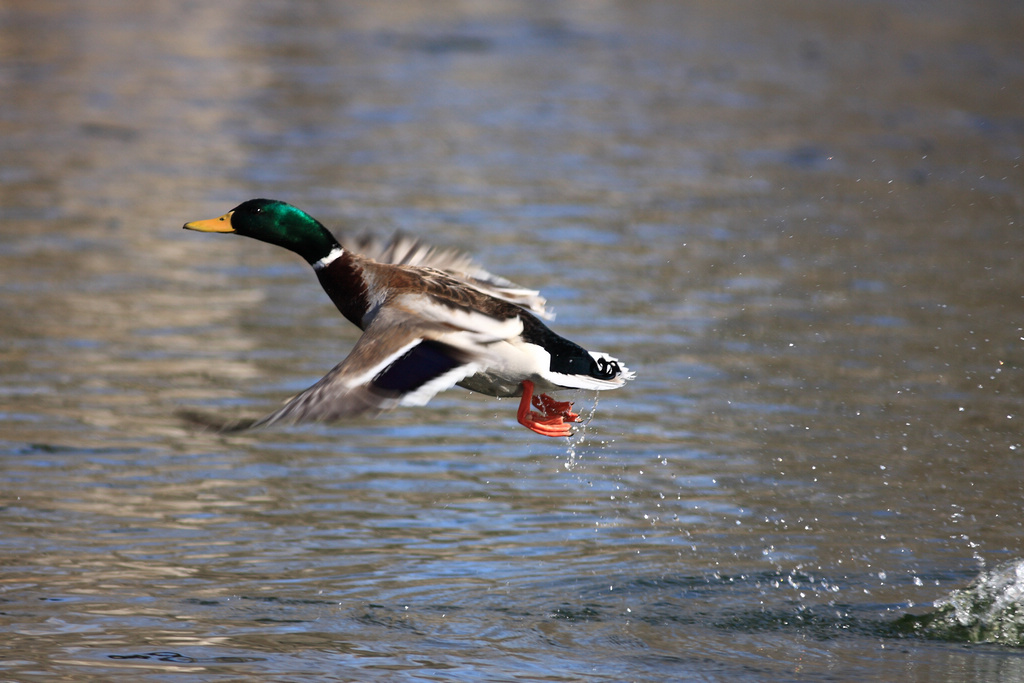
575	441
989	610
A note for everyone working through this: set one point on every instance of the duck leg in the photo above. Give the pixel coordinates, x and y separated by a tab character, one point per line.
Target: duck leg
552	422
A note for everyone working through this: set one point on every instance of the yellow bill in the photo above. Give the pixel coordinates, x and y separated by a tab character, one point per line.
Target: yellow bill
222	224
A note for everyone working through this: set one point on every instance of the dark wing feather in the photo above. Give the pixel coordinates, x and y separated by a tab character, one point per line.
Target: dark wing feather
423	363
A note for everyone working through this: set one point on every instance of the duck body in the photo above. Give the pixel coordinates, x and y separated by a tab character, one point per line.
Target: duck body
431	320
524	347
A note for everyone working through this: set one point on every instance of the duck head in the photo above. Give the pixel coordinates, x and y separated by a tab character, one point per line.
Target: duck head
276	222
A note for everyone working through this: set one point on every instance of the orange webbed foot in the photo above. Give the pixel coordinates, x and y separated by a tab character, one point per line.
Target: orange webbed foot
553	421
551	407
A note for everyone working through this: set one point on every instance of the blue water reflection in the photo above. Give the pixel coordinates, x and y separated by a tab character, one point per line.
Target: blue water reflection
800	225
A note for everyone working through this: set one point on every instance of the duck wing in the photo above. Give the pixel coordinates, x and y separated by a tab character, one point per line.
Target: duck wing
402	358
403	250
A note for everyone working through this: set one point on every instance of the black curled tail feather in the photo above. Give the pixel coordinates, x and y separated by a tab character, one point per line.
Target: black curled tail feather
584	364
607	368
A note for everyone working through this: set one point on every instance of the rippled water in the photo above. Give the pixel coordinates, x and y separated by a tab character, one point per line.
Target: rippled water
799	222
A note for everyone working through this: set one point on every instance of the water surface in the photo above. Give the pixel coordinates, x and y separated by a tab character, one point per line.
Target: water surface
800	224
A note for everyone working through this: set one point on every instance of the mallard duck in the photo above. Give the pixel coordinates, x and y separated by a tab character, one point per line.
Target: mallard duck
431	319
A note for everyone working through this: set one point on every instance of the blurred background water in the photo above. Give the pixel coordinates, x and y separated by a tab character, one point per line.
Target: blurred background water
799	222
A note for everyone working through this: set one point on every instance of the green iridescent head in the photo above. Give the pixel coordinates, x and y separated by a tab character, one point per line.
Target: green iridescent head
276	222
